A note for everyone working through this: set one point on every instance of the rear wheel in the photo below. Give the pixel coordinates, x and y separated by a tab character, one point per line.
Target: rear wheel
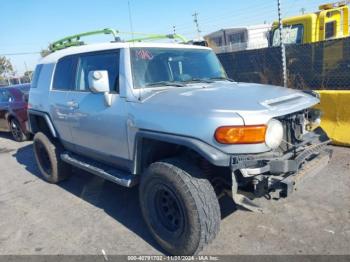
179	206
16	131
48	157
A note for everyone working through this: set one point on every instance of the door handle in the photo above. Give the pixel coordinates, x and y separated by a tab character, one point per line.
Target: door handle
72	104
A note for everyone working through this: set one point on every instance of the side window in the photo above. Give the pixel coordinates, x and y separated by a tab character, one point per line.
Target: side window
330	29
99	61
236	38
292	34
65	73
4	96
36	76
217	41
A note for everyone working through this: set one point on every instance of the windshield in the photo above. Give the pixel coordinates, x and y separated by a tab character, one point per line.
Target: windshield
174	66
291	35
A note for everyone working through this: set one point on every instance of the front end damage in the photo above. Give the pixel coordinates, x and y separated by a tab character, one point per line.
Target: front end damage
302	154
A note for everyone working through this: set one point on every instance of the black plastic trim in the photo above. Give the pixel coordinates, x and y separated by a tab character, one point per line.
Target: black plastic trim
213	155
278	164
47	119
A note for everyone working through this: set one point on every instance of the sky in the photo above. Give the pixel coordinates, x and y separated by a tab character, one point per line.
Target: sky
27	26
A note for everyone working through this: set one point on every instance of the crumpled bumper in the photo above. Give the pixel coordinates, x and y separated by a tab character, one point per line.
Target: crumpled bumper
282	172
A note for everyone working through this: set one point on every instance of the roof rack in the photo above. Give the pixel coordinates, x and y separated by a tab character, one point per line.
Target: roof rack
158	36
74	40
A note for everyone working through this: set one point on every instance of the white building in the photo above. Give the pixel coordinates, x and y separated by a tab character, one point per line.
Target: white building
239	38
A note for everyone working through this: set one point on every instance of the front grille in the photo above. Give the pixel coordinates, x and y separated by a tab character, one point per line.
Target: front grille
293	125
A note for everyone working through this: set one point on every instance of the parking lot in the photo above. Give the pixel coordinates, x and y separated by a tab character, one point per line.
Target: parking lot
87	215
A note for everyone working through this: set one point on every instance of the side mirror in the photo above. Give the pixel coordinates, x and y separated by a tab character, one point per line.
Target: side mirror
98	81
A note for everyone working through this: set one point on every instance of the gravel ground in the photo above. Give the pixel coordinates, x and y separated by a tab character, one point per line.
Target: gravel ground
86	214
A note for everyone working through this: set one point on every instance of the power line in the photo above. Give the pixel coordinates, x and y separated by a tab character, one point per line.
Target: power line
246	12
231	16
229	19
22	53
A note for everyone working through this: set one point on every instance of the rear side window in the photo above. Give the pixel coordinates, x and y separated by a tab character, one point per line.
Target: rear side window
36	76
330	29
65	73
237	38
98	61
4	96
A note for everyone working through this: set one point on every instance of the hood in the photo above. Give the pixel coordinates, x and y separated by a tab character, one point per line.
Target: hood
246	99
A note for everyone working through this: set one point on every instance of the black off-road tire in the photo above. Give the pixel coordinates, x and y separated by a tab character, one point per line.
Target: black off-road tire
16	131
48	157
195	201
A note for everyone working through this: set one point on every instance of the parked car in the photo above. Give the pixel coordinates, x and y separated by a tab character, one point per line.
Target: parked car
166	117
13	111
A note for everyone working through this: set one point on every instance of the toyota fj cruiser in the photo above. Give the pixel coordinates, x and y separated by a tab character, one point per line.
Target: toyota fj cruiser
166	118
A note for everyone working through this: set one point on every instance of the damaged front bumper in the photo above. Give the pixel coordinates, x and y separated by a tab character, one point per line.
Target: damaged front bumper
277	173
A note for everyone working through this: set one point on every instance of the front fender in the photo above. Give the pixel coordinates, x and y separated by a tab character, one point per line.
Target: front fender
211	154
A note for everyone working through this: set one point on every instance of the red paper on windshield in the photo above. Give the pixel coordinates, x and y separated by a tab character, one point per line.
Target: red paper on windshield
144	54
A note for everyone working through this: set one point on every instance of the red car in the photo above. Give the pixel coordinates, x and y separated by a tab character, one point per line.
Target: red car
13	111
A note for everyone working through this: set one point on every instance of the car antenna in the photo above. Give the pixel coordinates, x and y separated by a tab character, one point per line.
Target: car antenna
132	36
130	21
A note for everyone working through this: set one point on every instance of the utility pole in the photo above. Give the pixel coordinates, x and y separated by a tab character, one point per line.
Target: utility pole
174	32
283	47
195	20
302	10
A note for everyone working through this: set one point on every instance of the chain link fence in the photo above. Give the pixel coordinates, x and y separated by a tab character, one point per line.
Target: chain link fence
318	66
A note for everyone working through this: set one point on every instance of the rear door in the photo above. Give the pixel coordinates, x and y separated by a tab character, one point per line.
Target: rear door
61	110
99	130
4	103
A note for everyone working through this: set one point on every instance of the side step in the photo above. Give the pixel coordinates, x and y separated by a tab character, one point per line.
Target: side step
109	173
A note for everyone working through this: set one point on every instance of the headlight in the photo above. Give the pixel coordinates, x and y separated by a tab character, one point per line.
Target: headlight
274	134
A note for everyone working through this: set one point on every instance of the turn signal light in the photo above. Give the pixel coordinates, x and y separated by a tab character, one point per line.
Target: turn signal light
241	134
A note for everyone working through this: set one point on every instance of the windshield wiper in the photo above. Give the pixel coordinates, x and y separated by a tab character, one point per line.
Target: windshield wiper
166	83
199	80
222	78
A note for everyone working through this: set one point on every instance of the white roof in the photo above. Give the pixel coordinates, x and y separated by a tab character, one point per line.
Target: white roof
241	28
53	57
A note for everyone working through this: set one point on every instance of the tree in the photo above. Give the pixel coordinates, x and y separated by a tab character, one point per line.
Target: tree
27	76
44	52
5	68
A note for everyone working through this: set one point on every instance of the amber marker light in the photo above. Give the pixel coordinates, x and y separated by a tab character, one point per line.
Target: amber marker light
241	134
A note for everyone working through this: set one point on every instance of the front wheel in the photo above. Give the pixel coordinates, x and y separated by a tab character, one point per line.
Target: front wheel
179	206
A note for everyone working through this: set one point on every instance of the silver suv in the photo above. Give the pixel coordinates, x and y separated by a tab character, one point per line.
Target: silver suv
166	118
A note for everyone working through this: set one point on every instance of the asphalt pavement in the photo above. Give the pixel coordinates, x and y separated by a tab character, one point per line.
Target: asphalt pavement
87	215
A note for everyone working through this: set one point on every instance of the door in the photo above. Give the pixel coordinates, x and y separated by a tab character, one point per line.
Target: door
99	130
4	104
60	108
